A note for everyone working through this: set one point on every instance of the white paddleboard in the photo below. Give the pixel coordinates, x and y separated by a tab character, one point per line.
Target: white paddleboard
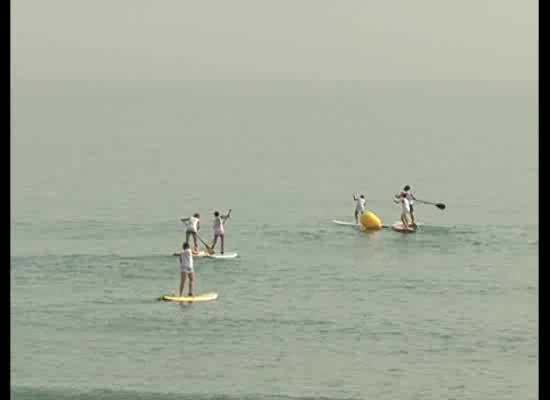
399	227
222	256
347	223
204	254
200	297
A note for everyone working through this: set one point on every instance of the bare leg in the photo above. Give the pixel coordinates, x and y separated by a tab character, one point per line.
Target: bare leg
404	220
182	282
195	241
356	217
214	241
222	241
191	283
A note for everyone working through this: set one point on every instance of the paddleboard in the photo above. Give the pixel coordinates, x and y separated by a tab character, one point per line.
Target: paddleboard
200	297
399	227
399	222
345	223
195	255
222	256
203	254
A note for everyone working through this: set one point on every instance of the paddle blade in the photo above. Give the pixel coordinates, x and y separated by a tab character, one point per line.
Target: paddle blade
441	206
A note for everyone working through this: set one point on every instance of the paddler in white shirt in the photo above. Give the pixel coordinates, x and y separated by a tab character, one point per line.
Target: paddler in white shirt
192	228
410	198
359	206
186	269
405	208
219	231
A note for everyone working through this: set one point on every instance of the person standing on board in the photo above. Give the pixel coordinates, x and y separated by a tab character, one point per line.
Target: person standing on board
405	207
359	206
410	198
186	268
192	228
219	221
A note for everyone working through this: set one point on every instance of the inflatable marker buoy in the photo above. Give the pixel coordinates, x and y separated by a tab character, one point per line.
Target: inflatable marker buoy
369	220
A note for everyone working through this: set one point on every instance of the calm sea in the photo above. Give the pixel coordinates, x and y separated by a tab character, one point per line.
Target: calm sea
101	172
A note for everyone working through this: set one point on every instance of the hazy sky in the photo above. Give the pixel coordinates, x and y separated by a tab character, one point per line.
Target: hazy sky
275	39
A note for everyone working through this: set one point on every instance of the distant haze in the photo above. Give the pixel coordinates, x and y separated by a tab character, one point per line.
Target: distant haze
279	39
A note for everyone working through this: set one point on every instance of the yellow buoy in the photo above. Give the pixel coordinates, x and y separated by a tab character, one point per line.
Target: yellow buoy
369	220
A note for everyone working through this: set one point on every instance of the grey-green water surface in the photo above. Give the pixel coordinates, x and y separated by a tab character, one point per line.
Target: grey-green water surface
102	171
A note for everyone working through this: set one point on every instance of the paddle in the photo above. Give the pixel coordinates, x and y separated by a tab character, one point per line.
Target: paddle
441	206
210	249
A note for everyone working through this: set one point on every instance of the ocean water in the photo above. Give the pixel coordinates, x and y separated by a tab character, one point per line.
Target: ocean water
102	171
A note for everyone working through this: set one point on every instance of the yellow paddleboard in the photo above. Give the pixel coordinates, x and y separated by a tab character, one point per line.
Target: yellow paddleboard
200	297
